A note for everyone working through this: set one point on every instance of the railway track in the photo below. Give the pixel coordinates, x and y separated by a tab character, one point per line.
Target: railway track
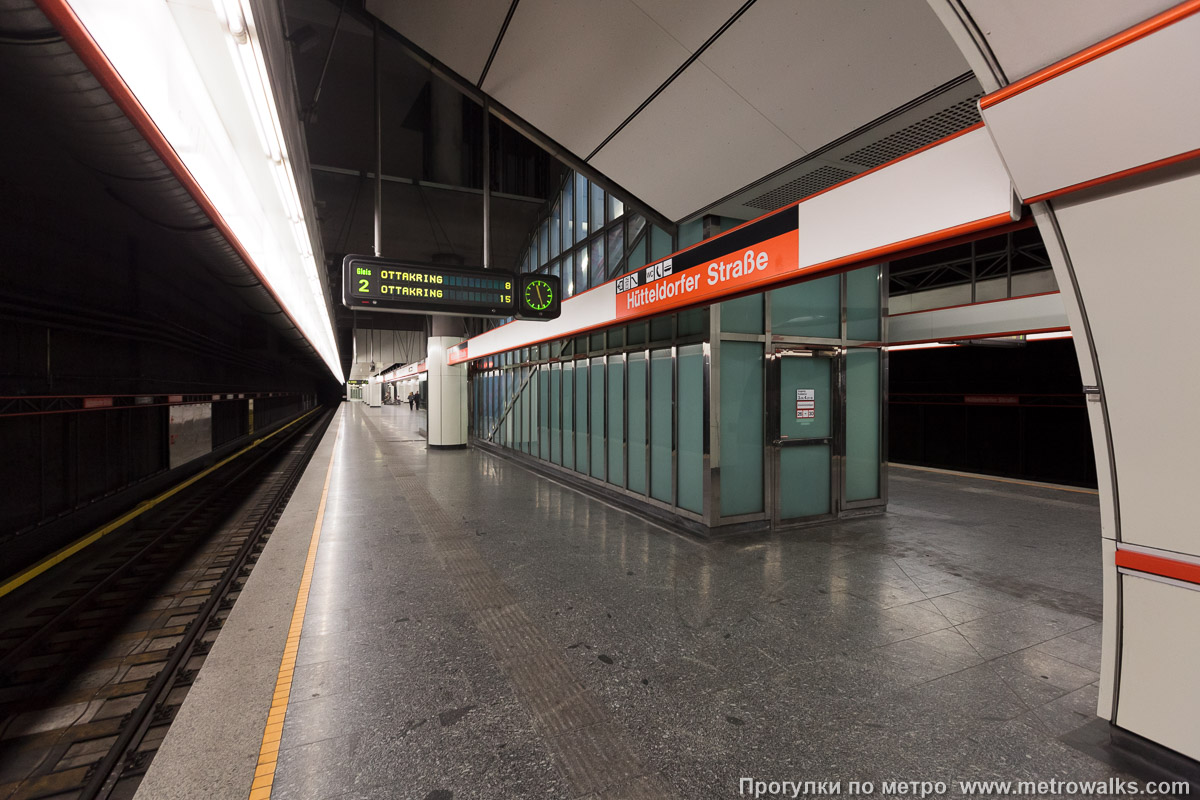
96	656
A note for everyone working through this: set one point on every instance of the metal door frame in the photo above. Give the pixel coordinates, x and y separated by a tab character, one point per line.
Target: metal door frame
836	441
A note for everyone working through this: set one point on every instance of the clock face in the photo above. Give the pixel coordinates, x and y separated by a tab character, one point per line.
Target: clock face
538	295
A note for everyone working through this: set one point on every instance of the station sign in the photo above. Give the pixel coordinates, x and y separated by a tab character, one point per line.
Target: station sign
753	255
377	284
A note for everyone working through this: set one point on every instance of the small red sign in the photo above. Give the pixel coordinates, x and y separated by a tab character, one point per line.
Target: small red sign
992	399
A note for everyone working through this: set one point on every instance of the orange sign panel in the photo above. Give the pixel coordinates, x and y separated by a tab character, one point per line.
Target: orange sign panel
742	259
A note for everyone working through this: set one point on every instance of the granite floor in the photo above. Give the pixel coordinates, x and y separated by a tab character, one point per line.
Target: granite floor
477	631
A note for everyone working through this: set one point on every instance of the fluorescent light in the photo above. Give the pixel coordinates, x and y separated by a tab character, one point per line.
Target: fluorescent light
1034	337
199	72
921	346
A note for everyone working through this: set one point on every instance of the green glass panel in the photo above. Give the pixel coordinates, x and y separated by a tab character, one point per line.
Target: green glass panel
637	256
690	428
660	243
616	337
556	415
690	233
661	329
506	392
803	481
741	428
521	410
637	422
862	304
637	333
743	315
616	421
813	308
544	413
804	402
597	418
581	416
693	322
661	433
568	415
863	398
528	420
597	342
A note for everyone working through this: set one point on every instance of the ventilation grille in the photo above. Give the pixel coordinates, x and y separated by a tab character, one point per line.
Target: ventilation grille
800	188
962	114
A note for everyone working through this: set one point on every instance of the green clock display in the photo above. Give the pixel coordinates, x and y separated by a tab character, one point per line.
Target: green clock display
538	295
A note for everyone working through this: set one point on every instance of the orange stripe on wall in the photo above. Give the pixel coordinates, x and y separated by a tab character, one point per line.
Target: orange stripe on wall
1157	565
1116	176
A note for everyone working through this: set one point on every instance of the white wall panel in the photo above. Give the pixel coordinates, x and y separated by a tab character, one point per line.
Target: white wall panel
1122	110
1159	694
822	68
1027	35
587	310
1134	253
577	70
1042	312
697	142
957	182
459	33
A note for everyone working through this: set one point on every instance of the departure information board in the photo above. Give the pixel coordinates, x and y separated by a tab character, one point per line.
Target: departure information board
376	284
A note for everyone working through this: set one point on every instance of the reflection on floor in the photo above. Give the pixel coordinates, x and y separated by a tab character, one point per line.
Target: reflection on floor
477	631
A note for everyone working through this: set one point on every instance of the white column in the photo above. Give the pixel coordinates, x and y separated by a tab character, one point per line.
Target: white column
1124	253
447	395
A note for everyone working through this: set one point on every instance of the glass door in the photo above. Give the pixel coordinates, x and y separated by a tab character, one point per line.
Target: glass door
803	432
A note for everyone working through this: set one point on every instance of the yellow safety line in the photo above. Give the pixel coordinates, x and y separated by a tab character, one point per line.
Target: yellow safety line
268	753
57	557
1035	484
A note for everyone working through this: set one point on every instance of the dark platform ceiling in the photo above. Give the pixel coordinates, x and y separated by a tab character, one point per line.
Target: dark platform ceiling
432	156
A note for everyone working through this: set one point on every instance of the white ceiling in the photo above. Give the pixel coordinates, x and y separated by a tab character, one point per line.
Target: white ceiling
1026	35
786	78
459	33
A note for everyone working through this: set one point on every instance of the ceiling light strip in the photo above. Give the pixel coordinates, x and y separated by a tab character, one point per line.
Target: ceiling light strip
73	31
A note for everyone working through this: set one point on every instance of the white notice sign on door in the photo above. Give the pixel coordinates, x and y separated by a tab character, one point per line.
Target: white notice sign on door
806	404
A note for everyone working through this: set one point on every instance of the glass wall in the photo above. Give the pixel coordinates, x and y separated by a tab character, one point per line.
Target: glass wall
606	407
685	412
587	236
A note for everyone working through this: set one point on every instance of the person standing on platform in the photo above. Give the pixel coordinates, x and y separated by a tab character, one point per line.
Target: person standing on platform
410	401
417	400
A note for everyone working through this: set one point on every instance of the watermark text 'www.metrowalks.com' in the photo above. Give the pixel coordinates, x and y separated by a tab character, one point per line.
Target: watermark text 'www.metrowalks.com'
1113	787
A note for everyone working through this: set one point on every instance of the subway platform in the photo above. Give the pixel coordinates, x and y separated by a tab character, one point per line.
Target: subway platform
447	624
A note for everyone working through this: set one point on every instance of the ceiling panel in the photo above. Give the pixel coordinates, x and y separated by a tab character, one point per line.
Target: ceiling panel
1027	35
822	68
576	71
690	23
697	142
459	33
